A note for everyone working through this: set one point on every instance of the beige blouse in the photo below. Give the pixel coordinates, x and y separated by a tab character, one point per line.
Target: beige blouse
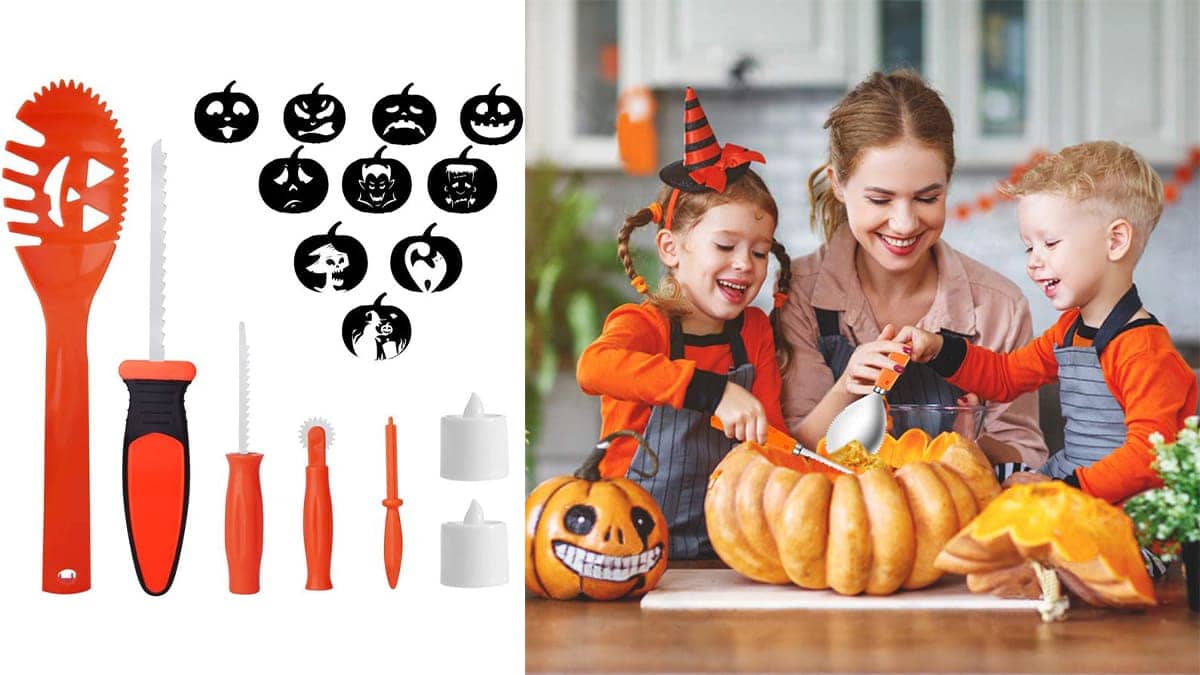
971	300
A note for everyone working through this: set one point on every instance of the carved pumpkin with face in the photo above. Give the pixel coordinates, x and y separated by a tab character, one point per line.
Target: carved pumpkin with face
293	184
404	118
226	116
594	538
314	117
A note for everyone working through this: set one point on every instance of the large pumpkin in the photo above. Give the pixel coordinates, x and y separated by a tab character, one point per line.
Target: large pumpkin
777	518
1088	542
591	537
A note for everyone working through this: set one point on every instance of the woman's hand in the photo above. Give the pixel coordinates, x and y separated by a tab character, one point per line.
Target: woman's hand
868	359
742	414
925	345
1023	477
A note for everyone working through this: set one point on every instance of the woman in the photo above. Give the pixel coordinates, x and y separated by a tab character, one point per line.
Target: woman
880	204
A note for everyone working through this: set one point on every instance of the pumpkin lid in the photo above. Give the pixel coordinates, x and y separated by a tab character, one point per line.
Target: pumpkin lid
474	444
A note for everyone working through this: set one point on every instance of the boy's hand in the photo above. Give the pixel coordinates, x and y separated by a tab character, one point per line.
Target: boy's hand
925	345
1023	477
867	360
743	416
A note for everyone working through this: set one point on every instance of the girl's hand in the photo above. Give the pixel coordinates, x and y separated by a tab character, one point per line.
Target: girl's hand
1023	477
925	345
743	416
868	359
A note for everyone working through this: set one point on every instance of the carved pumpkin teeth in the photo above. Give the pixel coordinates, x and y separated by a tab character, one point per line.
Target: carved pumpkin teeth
593	565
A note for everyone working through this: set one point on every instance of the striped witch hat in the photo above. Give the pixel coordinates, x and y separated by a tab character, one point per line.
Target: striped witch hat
706	164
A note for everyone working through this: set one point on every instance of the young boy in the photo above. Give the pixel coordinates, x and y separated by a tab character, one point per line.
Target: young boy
1085	214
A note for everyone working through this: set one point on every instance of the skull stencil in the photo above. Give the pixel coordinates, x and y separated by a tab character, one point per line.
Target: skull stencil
330	262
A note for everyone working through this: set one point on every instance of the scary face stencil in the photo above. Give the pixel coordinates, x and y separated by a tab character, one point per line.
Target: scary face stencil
376	184
461	184
404	118
491	118
330	262
426	263
314	117
293	184
376	332
226	116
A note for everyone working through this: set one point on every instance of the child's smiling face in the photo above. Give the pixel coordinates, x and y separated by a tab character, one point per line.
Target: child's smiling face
896	202
720	263
1066	248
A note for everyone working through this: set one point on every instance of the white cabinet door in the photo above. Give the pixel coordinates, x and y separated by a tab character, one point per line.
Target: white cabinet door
1131	83
701	42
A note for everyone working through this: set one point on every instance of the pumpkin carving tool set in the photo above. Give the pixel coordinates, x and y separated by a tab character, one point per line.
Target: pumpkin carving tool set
316	435
79	193
155	467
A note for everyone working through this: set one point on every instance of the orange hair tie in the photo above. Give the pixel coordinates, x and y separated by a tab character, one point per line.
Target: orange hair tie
780	298
639	284
655	212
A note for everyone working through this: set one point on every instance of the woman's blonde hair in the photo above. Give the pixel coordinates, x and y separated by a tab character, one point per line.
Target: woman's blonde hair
881	110
690	207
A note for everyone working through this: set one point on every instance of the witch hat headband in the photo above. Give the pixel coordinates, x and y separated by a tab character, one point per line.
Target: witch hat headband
706	164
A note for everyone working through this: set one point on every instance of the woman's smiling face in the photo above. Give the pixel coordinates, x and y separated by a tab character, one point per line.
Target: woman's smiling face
896	202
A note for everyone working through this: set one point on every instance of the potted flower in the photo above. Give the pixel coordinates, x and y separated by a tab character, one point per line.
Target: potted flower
1170	515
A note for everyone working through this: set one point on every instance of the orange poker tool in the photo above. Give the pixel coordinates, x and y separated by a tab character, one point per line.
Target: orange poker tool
393	535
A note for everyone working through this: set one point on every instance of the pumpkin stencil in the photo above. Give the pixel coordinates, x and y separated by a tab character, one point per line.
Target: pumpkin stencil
376	184
314	117
594	538
425	263
404	118
226	116
461	184
330	262
491	118
293	184
377	331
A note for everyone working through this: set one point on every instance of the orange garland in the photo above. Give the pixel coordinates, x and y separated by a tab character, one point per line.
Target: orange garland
1183	174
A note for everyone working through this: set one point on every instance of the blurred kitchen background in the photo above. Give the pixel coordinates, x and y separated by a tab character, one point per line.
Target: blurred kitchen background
1018	75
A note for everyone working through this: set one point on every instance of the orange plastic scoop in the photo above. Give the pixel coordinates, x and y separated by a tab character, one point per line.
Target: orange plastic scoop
77	205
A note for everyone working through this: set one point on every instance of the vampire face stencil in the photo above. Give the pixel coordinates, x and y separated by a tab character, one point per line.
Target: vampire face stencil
376	184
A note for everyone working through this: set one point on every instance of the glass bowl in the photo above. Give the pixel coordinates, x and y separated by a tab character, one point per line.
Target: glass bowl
966	420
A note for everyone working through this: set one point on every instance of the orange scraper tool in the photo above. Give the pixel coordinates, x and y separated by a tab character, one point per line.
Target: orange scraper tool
243	494
318	507
393	535
155	470
76	208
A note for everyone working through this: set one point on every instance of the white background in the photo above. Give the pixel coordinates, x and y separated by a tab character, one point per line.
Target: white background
230	258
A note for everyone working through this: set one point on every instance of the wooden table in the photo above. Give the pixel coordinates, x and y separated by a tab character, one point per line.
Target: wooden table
619	636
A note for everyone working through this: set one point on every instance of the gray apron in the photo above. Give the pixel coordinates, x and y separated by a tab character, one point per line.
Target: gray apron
1095	421
919	383
688	450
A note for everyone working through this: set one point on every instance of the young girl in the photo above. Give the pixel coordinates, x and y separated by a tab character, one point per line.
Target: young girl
693	349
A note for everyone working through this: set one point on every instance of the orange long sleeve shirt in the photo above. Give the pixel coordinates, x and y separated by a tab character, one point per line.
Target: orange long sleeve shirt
1147	376
629	367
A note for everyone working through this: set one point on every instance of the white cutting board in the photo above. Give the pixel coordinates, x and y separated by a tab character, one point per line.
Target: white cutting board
726	589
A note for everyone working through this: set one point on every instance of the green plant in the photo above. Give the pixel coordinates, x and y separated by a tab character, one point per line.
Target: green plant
1170	515
572	281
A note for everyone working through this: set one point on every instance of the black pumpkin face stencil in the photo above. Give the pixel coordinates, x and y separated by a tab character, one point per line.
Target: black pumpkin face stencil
377	331
462	185
314	117
404	118
226	116
376	184
491	119
331	262
293	184
425	263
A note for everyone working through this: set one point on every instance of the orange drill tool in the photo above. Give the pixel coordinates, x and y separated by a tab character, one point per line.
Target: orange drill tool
393	535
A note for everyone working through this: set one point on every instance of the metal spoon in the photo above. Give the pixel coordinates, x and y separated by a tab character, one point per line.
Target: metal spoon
865	420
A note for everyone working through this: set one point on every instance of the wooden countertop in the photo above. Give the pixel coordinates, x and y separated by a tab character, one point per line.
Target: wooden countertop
619	636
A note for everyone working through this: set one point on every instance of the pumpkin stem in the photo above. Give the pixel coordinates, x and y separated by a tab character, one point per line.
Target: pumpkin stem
229	87
406	88
335	226
590	470
1054	604
493	91
318	87
379	300
429	229
465	151
296	153
379	152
